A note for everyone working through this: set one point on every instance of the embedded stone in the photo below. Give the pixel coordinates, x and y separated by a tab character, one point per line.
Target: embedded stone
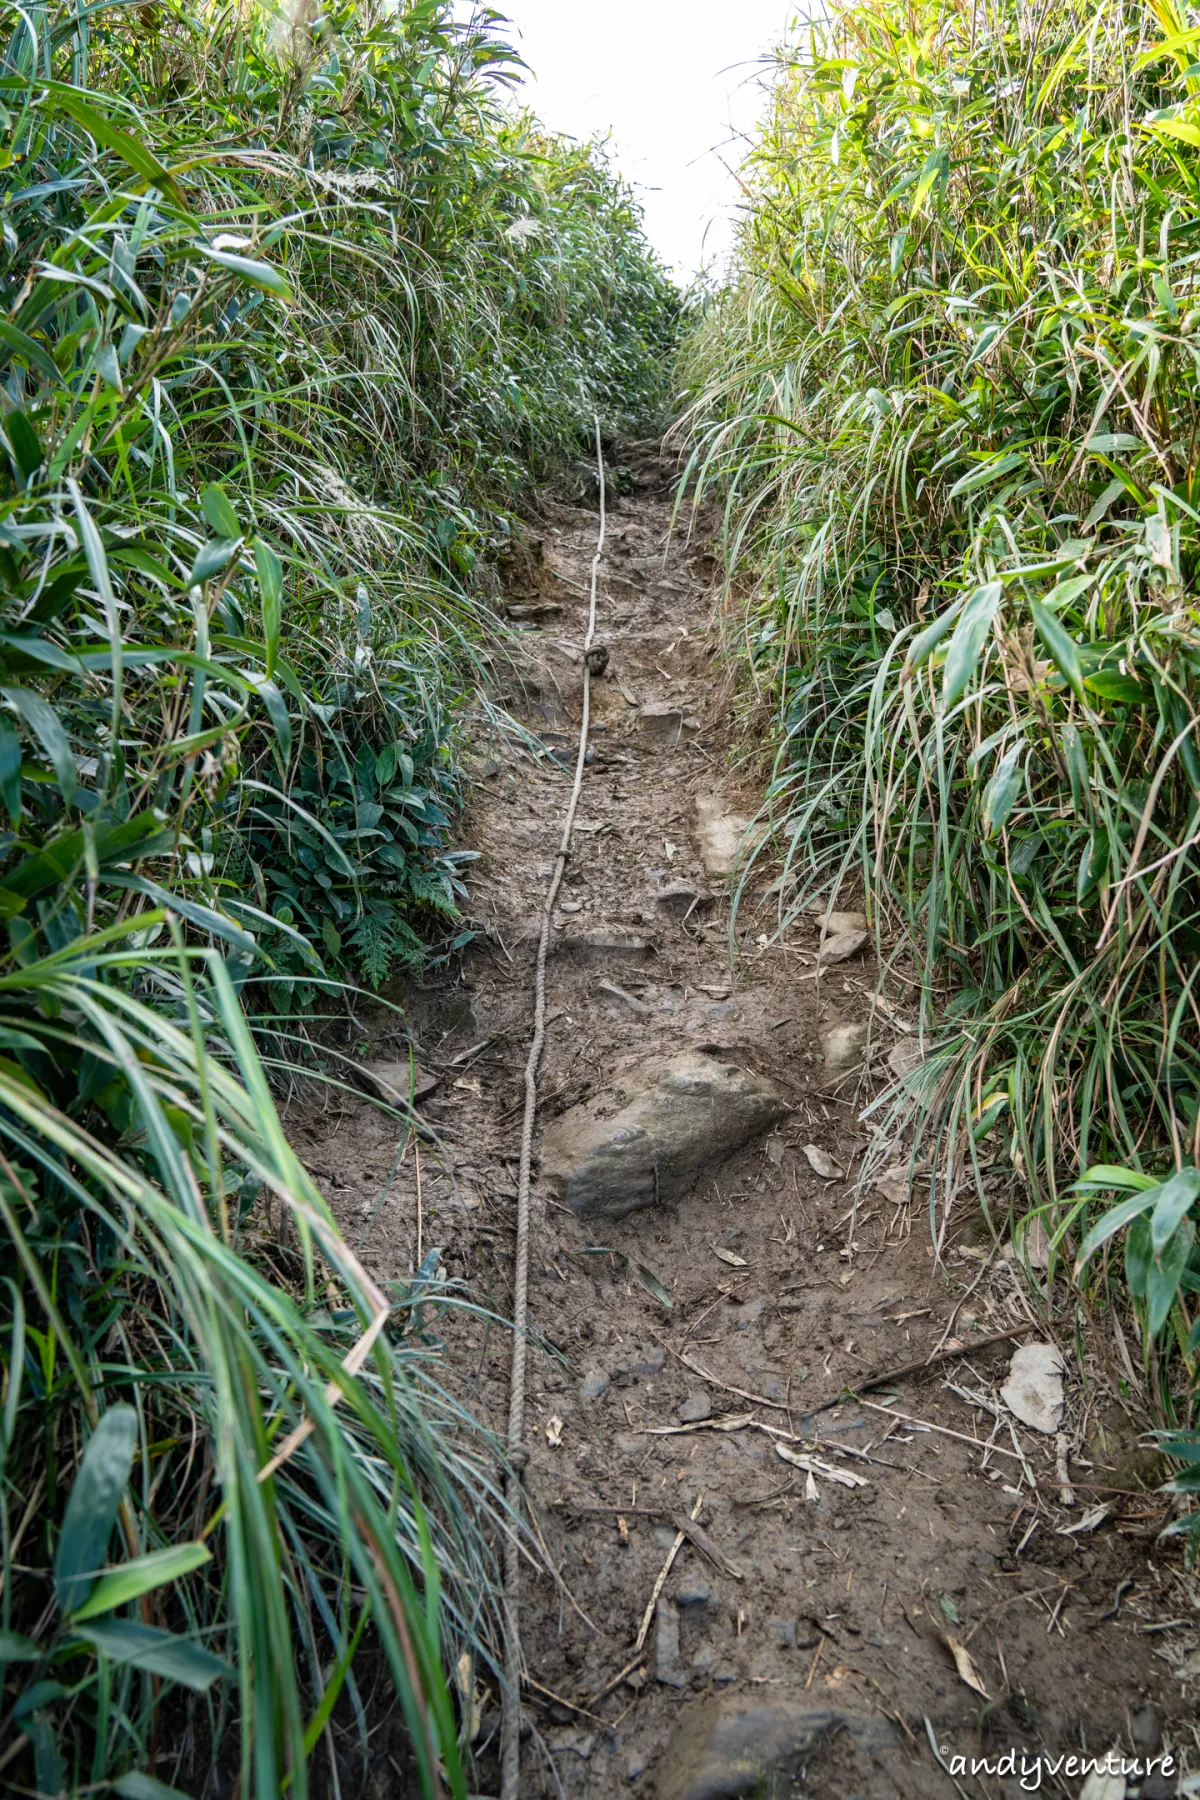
727	1746
692	1111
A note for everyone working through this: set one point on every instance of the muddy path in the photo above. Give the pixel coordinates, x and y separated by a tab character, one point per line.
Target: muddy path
809	1620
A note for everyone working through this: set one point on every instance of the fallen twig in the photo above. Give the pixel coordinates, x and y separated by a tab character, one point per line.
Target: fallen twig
676	1547
617	1679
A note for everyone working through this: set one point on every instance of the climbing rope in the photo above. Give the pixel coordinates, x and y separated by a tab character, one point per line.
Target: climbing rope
510	1730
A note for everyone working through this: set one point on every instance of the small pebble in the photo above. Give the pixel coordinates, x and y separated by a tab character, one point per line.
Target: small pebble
694	1593
1146	1731
650	1360
595	1385
697	1406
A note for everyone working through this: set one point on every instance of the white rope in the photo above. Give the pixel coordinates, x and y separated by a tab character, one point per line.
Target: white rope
510	1731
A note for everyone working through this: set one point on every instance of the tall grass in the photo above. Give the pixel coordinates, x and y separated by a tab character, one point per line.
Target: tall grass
292	313
952	399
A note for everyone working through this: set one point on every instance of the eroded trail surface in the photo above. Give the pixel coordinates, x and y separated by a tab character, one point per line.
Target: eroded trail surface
816	1612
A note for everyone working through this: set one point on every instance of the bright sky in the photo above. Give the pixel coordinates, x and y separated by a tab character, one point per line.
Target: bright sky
674	81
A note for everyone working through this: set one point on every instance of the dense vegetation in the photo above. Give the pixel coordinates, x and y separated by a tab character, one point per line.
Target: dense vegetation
292	311
952	398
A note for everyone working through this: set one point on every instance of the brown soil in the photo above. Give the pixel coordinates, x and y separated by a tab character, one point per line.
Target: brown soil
838	1598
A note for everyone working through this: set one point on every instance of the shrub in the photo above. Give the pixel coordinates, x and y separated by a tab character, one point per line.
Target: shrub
952	400
276	366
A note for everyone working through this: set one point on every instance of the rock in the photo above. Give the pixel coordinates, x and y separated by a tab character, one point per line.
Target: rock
612	992
397	1082
838	924
581	1743
748	1314
691	1112
1107	1782
895	1184
728	1746
649	1361
724	838
635	1768
694	1593
603	944
681	900
708	1661
667	1667
661	724
696	1407
538	609
1034	1389
905	1058
843	947
1145	1730
594	1385
842	1047
820	1162
1030	1242
783	1631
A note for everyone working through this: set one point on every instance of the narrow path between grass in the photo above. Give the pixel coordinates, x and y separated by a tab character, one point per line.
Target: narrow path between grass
840	1574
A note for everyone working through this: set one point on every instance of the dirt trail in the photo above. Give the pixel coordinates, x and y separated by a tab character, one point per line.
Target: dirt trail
805	1619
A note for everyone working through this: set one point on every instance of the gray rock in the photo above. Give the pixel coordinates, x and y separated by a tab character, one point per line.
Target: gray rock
838	924
578	1743
728	1746
905	1057
681	900
397	1082
635	1768
661	724
709	1661
594	1385
667	1667
1145	1729
842	1047
603	945
650	1360
748	1314
693	1593
783	1631
842	947
1034	1389
724	838
691	1112
696	1407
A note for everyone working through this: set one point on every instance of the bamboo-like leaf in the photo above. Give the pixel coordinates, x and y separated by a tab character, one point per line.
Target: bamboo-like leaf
970	634
92	1507
1060	647
140	1575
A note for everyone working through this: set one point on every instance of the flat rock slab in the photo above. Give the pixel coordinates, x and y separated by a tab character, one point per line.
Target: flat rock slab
603	945
1034	1389
690	1112
723	838
661	724
397	1082
729	1746
842	1047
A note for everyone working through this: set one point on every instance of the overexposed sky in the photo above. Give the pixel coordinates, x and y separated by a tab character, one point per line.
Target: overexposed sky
674	81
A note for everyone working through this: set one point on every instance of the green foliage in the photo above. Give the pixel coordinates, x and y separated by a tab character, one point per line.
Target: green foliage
274	366
952	398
